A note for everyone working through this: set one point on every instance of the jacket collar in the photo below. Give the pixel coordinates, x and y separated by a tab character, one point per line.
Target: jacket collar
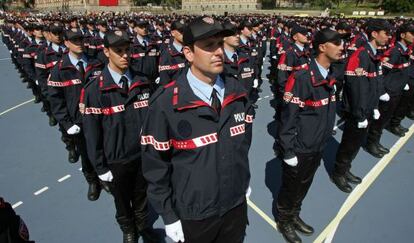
316	77
173	51
106	82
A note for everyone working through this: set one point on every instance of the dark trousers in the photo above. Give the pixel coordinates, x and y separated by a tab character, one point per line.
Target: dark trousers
403	108
386	110
129	191
352	140
229	228
296	181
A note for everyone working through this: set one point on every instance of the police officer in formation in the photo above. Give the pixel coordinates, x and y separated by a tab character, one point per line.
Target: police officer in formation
160	108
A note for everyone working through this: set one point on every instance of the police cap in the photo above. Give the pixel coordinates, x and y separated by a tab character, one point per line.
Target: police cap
73	35
377	25
298	29
178	25
203	28
326	35
116	38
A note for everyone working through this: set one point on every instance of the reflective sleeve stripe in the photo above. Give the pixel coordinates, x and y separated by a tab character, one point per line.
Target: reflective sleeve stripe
20	49
66	83
27	56
362	73
93	110
195	142
160	146
137	55
249	119
237	130
112	110
171	67
51	64
96	47
312	103
39	65
140	104
396	66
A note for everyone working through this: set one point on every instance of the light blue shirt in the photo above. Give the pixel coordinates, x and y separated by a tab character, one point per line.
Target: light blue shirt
243	40
300	47
141	40
203	90
55	47
229	54
374	50
322	70
75	61
178	46
403	46
117	77
102	35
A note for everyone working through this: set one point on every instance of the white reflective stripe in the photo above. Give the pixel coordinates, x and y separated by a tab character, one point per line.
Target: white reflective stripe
249	119
388	65
161	146
27	56
39	65
237	130
205	140
141	104
171	67
114	109
64	83
93	110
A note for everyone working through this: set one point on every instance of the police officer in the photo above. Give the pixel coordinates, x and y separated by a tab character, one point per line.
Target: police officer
307	119
114	107
172	61
195	144
66	80
360	102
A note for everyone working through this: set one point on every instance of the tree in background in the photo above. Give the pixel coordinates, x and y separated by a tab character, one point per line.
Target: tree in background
399	6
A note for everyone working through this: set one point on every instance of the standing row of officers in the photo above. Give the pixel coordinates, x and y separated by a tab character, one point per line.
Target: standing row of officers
167	115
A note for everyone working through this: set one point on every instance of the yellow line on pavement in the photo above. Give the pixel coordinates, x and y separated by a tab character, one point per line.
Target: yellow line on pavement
359	190
15	107
262	214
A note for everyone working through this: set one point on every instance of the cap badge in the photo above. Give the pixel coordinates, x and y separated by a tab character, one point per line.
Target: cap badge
118	33
208	20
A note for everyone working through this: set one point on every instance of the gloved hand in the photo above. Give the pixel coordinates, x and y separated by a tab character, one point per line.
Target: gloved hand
248	192
157	80
255	83
175	231
376	114
75	129
363	124
107	177
274	57
385	97
37	82
407	87
292	162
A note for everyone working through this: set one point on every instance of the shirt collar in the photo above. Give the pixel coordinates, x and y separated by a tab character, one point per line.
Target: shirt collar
102	35
243	40
117	77
38	41
301	48
374	50
75	61
403	46
178	47
229	54
55	47
141	39
324	72
203	90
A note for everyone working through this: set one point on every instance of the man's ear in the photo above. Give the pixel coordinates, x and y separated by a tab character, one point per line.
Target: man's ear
188	53
106	52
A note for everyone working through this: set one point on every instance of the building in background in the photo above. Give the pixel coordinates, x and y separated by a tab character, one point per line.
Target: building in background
221	5
85	5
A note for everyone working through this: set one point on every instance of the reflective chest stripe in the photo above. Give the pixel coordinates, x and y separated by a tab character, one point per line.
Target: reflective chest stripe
195	142
64	83
237	130
160	146
44	66
140	104
396	66
312	103
114	109
171	67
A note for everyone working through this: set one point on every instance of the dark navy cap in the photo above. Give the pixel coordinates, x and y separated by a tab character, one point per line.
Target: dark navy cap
73	35
203	28
326	35
298	29
116	38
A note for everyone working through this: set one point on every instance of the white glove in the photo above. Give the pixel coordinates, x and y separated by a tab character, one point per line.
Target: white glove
157	80
75	129
292	162
255	83
274	57
407	87
175	231
106	177
248	192
37	82
10	52
385	97
363	124
376	114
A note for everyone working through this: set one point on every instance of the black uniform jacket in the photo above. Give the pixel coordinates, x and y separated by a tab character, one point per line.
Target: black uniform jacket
64	90
112	119
363	84
144	59
196	162
396	68
244	70
172	64
308	114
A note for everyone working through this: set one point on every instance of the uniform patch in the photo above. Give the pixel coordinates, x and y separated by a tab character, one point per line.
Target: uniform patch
287	97
246	69
143	96
184	128
239	117
359	71
208	20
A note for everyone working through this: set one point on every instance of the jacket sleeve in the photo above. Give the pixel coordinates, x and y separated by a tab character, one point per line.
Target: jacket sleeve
156	161
92	127
294	98
164	72
57	99
357	86
284	69
28	62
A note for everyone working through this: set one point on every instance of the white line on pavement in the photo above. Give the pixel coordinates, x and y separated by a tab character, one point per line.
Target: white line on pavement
17	204
64	178
4	59
15	107
41	191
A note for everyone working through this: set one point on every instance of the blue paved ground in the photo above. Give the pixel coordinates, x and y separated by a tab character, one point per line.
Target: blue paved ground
32	157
